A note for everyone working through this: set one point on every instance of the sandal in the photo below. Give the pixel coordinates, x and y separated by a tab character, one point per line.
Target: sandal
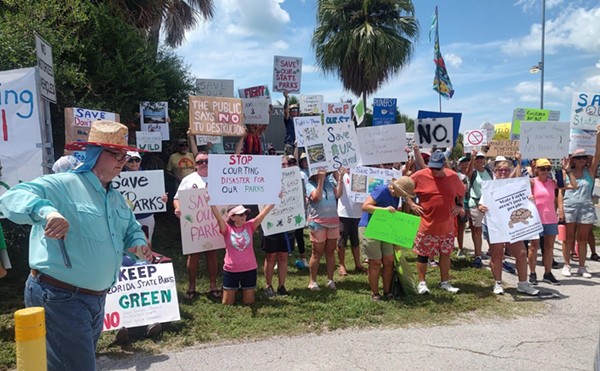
191	295
375	297
342	272
216	294
595	257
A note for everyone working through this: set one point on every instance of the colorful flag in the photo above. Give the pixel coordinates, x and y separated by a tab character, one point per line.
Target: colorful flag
441	81
359	111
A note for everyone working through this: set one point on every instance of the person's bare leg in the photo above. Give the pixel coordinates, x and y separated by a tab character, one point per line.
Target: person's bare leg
477	236
569	244
356	256
269	267
592	241
548	256
248	296
373	273
192	270
228	297
388	273
517	250
212	267
583	231
421	271
313	265
444	267
330	245
282	267
497	252
341	252
532	254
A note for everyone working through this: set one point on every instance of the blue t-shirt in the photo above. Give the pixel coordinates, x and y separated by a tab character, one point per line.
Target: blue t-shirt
383	198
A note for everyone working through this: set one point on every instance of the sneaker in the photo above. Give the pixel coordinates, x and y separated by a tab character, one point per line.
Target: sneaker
549	278
595	257
508	268
375	297
485	255
432	263
122	336
269	291
583	272
566	271
461	254
477	263
533	279
526	288
498	289
153	330
422	288
313	286
282	291
331	284
448	287
555	264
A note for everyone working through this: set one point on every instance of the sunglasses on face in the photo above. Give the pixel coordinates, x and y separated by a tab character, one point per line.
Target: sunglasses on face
202	162
545	168
503	170
134	159
118	156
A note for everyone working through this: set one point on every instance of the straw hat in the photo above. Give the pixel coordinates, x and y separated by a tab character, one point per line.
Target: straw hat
104	133
404	186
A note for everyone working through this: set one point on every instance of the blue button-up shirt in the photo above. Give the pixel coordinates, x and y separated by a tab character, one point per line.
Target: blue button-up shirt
101	227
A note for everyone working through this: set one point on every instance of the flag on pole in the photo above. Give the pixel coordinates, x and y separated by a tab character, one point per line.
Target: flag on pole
359	111
441	81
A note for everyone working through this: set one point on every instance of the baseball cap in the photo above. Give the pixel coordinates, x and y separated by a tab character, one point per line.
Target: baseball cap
437	159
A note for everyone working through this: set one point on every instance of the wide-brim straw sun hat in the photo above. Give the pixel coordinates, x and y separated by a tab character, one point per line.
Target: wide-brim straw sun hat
404	186
106	134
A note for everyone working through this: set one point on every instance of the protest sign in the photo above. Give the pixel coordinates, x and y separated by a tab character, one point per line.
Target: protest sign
216	116
45	62
143	295
301	122
142	190
256	111
507	148
255	92
435	132
155	117
79	120
512	216
455	116
336	113
287	74
384	111
530	114
363	180
149	141
202	140
244	179
21	134
382	144
331	147
311	104
396	228
289	215
214	88
582	139
199	227
544	139
501	131
585	110
474	138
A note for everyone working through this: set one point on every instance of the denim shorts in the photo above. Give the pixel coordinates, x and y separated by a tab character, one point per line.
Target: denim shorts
549	230
580	213
239	280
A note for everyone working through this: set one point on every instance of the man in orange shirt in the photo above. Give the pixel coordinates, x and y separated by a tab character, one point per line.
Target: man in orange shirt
440	194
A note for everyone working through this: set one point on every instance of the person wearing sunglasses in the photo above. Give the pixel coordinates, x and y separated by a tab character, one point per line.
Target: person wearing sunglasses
181	162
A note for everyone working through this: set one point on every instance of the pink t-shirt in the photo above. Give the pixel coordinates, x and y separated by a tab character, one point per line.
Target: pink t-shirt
543	192
239	249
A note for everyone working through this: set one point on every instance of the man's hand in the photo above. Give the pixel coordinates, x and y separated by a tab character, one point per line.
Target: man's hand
56	225
142	252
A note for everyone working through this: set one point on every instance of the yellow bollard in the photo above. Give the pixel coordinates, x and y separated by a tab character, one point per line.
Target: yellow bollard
30	336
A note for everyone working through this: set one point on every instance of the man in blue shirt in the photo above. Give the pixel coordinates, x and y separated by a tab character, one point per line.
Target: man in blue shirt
81	226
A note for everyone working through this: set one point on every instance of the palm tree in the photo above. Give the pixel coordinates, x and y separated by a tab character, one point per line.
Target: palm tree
364	42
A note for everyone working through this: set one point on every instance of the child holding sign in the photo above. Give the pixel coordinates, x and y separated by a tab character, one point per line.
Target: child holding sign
240	266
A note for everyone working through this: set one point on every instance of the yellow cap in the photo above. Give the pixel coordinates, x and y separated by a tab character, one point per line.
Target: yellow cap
30	324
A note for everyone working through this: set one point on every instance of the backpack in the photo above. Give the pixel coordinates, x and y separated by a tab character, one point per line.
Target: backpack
474	176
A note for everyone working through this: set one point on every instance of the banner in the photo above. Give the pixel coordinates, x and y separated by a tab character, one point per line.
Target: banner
301	122
244	179
530	114
363	180
582	139
260	91
256	111
331	147
20	137
384	111
397	228
79	120
336	113
311	104
289	215
149	141
512	216
382	144
544	139
143	295
287	74
199	227
455	116
216	116
585	110
142	190
507	148
155	117
435	132
214	88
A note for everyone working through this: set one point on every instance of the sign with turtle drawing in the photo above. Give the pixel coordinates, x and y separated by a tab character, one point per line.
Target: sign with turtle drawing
289	215
512	215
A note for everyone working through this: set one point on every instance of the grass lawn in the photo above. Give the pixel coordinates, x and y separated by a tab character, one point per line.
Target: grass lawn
206	320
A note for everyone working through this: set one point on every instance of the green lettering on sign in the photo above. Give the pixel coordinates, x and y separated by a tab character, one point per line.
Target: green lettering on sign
396	228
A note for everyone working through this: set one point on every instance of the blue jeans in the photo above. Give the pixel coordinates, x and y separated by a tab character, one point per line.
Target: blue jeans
73	324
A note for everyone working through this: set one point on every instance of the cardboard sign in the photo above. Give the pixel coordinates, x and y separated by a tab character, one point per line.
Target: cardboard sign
512	216
255	92
154	117
214	88
142	190
363	180
435	132
585	110
244	179
287	74
474	138
530	114
304	121
311	104
382	144
502	131
582	139
149	141
289	215
79	120
143	295
216	116
336	113
396	228
384	111
455	116
331	147
199	227
507	148
544	139
256	111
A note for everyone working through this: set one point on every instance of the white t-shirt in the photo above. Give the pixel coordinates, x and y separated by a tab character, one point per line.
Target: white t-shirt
346	208
193	180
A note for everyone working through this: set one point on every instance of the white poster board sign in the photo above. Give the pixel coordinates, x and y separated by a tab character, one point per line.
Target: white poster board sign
331	147
301	122
155	117
475	138
512	216
43	52
214	88
205	139
149	141
142	190
336	113
289	215
311	104
582	139
199	227
256	111
585	110
434	132
382	144
363	180
143	295
287	74
244	179
544	139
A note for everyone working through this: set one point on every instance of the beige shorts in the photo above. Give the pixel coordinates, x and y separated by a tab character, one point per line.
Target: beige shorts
374	249
321	234
476	217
